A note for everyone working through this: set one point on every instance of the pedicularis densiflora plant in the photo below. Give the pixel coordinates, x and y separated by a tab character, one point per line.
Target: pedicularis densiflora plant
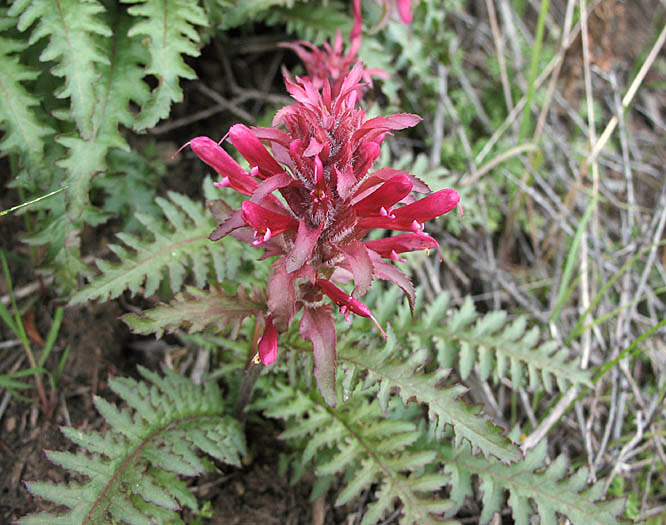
387	415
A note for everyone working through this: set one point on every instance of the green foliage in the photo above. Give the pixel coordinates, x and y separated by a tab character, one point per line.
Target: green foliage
72	29
133	469
364	444
489	344
312	24
406	376
177	244
168	29
25	131
130	186
195	310
358	441
534	488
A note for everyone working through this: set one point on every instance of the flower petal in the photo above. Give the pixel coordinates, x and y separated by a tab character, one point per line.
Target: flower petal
344	300
318	327
267	344
253	150
388	194
406	242
405	11
263	220
361	267
214	155
412	216
388	272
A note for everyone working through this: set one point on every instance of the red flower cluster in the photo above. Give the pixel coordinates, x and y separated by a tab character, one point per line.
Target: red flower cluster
317	157
331	64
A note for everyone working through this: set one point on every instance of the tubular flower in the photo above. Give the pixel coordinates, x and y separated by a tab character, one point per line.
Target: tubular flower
331	64
317	157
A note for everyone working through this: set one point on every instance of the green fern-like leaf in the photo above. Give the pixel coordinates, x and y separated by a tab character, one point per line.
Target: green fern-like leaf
392	373
196	309
358	441
179	243
488	345
72	27
532	489
24	123
169	31
133	469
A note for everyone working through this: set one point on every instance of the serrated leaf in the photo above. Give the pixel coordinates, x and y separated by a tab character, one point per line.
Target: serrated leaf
195	310
135	481
167	28
169	251
443	404
72	29
527	482
24	124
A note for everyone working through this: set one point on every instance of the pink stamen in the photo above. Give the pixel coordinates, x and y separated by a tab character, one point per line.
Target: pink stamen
254	171
417	227
394	257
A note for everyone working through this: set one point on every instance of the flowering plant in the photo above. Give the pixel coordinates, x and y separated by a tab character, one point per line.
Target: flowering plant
320	166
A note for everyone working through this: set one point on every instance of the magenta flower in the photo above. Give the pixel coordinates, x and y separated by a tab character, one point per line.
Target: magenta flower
404	12
331	64
318	157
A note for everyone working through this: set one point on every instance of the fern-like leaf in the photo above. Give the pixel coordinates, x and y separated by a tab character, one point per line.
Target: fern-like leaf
72	27
133	469
24	124
552	489
178	243
169	30
392	373
488	345
356	440
195	310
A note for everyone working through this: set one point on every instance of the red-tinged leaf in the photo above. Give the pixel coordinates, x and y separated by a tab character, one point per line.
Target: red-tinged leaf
234	222
281	295
360	265
318	327
375	127
306	240
31	329
271	184
345	182
272	135
220	209
388	272
195	310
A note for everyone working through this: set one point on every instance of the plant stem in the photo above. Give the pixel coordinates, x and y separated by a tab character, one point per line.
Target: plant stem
250	377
